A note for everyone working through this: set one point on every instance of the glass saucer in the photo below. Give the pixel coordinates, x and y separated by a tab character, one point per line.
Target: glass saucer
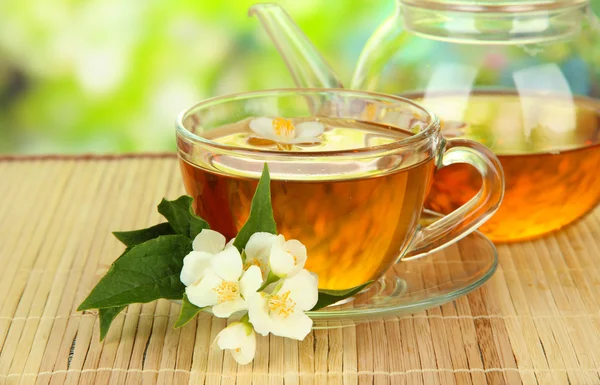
418	284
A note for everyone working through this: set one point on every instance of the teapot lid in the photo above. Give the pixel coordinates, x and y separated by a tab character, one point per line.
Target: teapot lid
494	5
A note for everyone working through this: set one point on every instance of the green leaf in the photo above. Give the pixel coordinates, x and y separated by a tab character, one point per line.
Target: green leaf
135	237
147	272
127	249
181	216
261	212
271	278
188	312
328	297
107	316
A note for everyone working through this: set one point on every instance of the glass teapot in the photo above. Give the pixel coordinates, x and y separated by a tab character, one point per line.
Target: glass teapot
521	77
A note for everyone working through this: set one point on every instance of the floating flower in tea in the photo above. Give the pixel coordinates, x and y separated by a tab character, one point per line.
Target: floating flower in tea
283	131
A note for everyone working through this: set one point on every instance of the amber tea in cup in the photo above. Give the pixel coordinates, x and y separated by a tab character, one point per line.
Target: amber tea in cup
355	225
352	194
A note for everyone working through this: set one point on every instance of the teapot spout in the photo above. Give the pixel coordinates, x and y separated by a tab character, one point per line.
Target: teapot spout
308	68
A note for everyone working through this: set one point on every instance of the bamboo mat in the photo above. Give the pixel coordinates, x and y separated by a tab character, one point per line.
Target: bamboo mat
537	321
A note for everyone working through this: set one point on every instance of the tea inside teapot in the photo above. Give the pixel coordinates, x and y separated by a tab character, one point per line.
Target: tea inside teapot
518	77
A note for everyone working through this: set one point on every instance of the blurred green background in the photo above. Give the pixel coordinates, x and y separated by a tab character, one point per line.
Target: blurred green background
111	75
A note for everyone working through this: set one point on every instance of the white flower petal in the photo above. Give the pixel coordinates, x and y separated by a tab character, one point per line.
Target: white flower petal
281	261
247	351
251	281
228	264
278	130
233	336
258	249
209	241
262	126
227	308
309	130
297	326
194	265
240	340
202	293
298	251
230	243
303	288
258	313
279	241
259	246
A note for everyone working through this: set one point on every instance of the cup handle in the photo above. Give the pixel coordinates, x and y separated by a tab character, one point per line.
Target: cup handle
464	220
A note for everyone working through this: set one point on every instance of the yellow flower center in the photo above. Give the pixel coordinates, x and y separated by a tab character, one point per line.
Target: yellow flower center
237	350
227	291
254	262
282	304
283	127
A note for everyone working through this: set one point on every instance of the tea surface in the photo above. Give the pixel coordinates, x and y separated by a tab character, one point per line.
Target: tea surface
353	228
549	149
340	134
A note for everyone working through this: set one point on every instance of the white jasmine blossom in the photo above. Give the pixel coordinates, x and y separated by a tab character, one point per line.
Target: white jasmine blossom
282	311
287	257
284	131
216	276
258	251
240	340
205	246
225	285
272	253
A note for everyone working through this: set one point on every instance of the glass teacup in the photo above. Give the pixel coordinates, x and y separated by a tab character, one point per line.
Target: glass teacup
350	172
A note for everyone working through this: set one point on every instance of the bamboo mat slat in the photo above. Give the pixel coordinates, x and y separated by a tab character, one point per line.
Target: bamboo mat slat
537	321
